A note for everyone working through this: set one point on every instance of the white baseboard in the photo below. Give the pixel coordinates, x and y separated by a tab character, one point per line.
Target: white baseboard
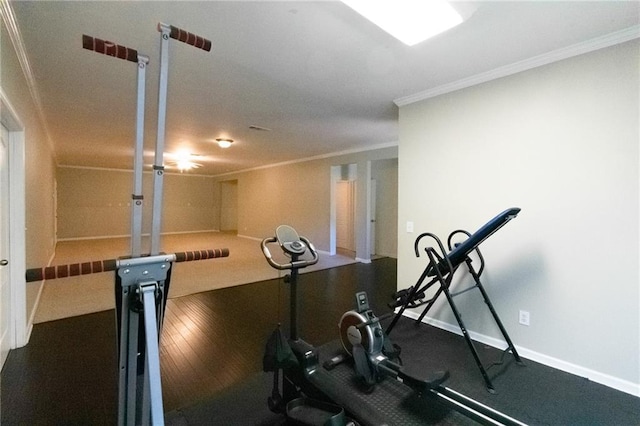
105	237
248	237
36	303
4	355
577	370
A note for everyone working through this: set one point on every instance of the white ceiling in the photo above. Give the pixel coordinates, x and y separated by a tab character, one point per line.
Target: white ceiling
317	74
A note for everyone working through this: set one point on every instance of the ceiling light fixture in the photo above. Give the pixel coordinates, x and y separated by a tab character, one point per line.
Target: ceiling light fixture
183	160
224	143
410	21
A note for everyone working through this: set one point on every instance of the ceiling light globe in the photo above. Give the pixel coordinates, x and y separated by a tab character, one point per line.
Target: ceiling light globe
224	143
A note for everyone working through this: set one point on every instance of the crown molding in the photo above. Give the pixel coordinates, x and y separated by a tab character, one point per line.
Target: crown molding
10	23
266	166
316	157
8	115
608	40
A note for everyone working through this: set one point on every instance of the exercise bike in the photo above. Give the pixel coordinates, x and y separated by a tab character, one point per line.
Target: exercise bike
307	391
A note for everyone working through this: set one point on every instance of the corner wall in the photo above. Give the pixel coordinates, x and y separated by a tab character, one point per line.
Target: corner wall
561	142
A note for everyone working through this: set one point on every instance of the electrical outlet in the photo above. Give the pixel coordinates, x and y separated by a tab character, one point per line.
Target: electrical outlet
409	226
525	318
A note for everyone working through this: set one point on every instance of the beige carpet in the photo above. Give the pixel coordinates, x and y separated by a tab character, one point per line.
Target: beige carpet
84	294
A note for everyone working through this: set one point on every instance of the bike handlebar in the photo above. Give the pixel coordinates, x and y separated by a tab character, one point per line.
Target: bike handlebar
295	264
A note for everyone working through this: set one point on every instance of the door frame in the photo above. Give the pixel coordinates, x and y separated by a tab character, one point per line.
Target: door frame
19	328
360	173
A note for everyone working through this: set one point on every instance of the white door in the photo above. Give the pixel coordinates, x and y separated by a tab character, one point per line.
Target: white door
5	295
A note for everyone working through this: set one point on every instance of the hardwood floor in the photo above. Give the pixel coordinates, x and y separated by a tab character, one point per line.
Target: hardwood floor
211	341
211	355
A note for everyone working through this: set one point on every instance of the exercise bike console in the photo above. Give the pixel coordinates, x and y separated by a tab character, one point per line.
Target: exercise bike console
293	245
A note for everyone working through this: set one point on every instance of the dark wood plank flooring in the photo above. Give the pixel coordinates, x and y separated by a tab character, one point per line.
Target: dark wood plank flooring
67	374
211	361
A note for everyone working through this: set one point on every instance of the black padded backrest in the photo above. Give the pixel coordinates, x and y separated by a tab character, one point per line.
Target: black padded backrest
459	254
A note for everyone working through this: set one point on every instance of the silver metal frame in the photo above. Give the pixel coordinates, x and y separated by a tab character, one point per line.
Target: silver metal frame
137	197
142	282
158	165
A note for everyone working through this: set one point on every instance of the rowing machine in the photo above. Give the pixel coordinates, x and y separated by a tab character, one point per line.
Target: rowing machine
363	338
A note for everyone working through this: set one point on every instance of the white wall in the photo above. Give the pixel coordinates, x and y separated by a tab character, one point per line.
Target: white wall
94	203
561	142
299	194
385	172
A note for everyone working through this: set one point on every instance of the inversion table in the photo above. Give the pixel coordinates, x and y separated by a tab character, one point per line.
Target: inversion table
440	271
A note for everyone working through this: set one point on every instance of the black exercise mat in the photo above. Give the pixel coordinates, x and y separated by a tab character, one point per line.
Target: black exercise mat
534	394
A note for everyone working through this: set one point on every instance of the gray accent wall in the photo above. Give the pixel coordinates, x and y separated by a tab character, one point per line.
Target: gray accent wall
561	142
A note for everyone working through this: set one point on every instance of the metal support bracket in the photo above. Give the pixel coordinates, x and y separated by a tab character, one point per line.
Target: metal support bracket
142	285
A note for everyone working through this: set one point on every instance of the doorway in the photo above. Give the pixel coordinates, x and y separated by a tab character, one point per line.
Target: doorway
15	327
5	255
342	229
345	218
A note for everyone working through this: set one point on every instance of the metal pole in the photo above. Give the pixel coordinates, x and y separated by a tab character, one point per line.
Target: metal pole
136	196
153	353
158	165
166	32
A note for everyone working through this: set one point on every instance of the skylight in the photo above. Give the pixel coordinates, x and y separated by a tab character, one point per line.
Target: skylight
410	21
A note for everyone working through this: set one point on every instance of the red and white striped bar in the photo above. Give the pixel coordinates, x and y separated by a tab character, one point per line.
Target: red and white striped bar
94	267
109	48
189	38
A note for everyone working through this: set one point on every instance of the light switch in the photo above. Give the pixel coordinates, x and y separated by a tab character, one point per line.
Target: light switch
409	226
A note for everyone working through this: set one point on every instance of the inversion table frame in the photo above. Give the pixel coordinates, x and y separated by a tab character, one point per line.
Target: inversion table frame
441	269
142	282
